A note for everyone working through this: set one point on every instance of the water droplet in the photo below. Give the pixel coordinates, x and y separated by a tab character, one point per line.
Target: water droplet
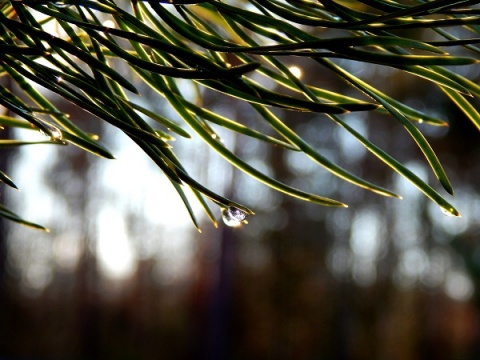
55	133
61	4
233	217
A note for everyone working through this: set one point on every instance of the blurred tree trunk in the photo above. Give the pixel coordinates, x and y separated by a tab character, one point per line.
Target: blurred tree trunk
73	178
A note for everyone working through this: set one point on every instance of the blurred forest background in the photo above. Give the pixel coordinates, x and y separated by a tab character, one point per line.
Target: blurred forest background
123	274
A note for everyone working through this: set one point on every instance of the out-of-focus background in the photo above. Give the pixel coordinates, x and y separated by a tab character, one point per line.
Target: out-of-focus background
123	274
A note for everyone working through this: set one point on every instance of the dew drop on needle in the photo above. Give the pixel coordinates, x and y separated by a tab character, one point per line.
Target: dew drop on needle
55	133
233	217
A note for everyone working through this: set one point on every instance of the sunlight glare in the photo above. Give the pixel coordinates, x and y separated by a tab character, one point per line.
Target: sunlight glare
115	253
296	71
108	23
